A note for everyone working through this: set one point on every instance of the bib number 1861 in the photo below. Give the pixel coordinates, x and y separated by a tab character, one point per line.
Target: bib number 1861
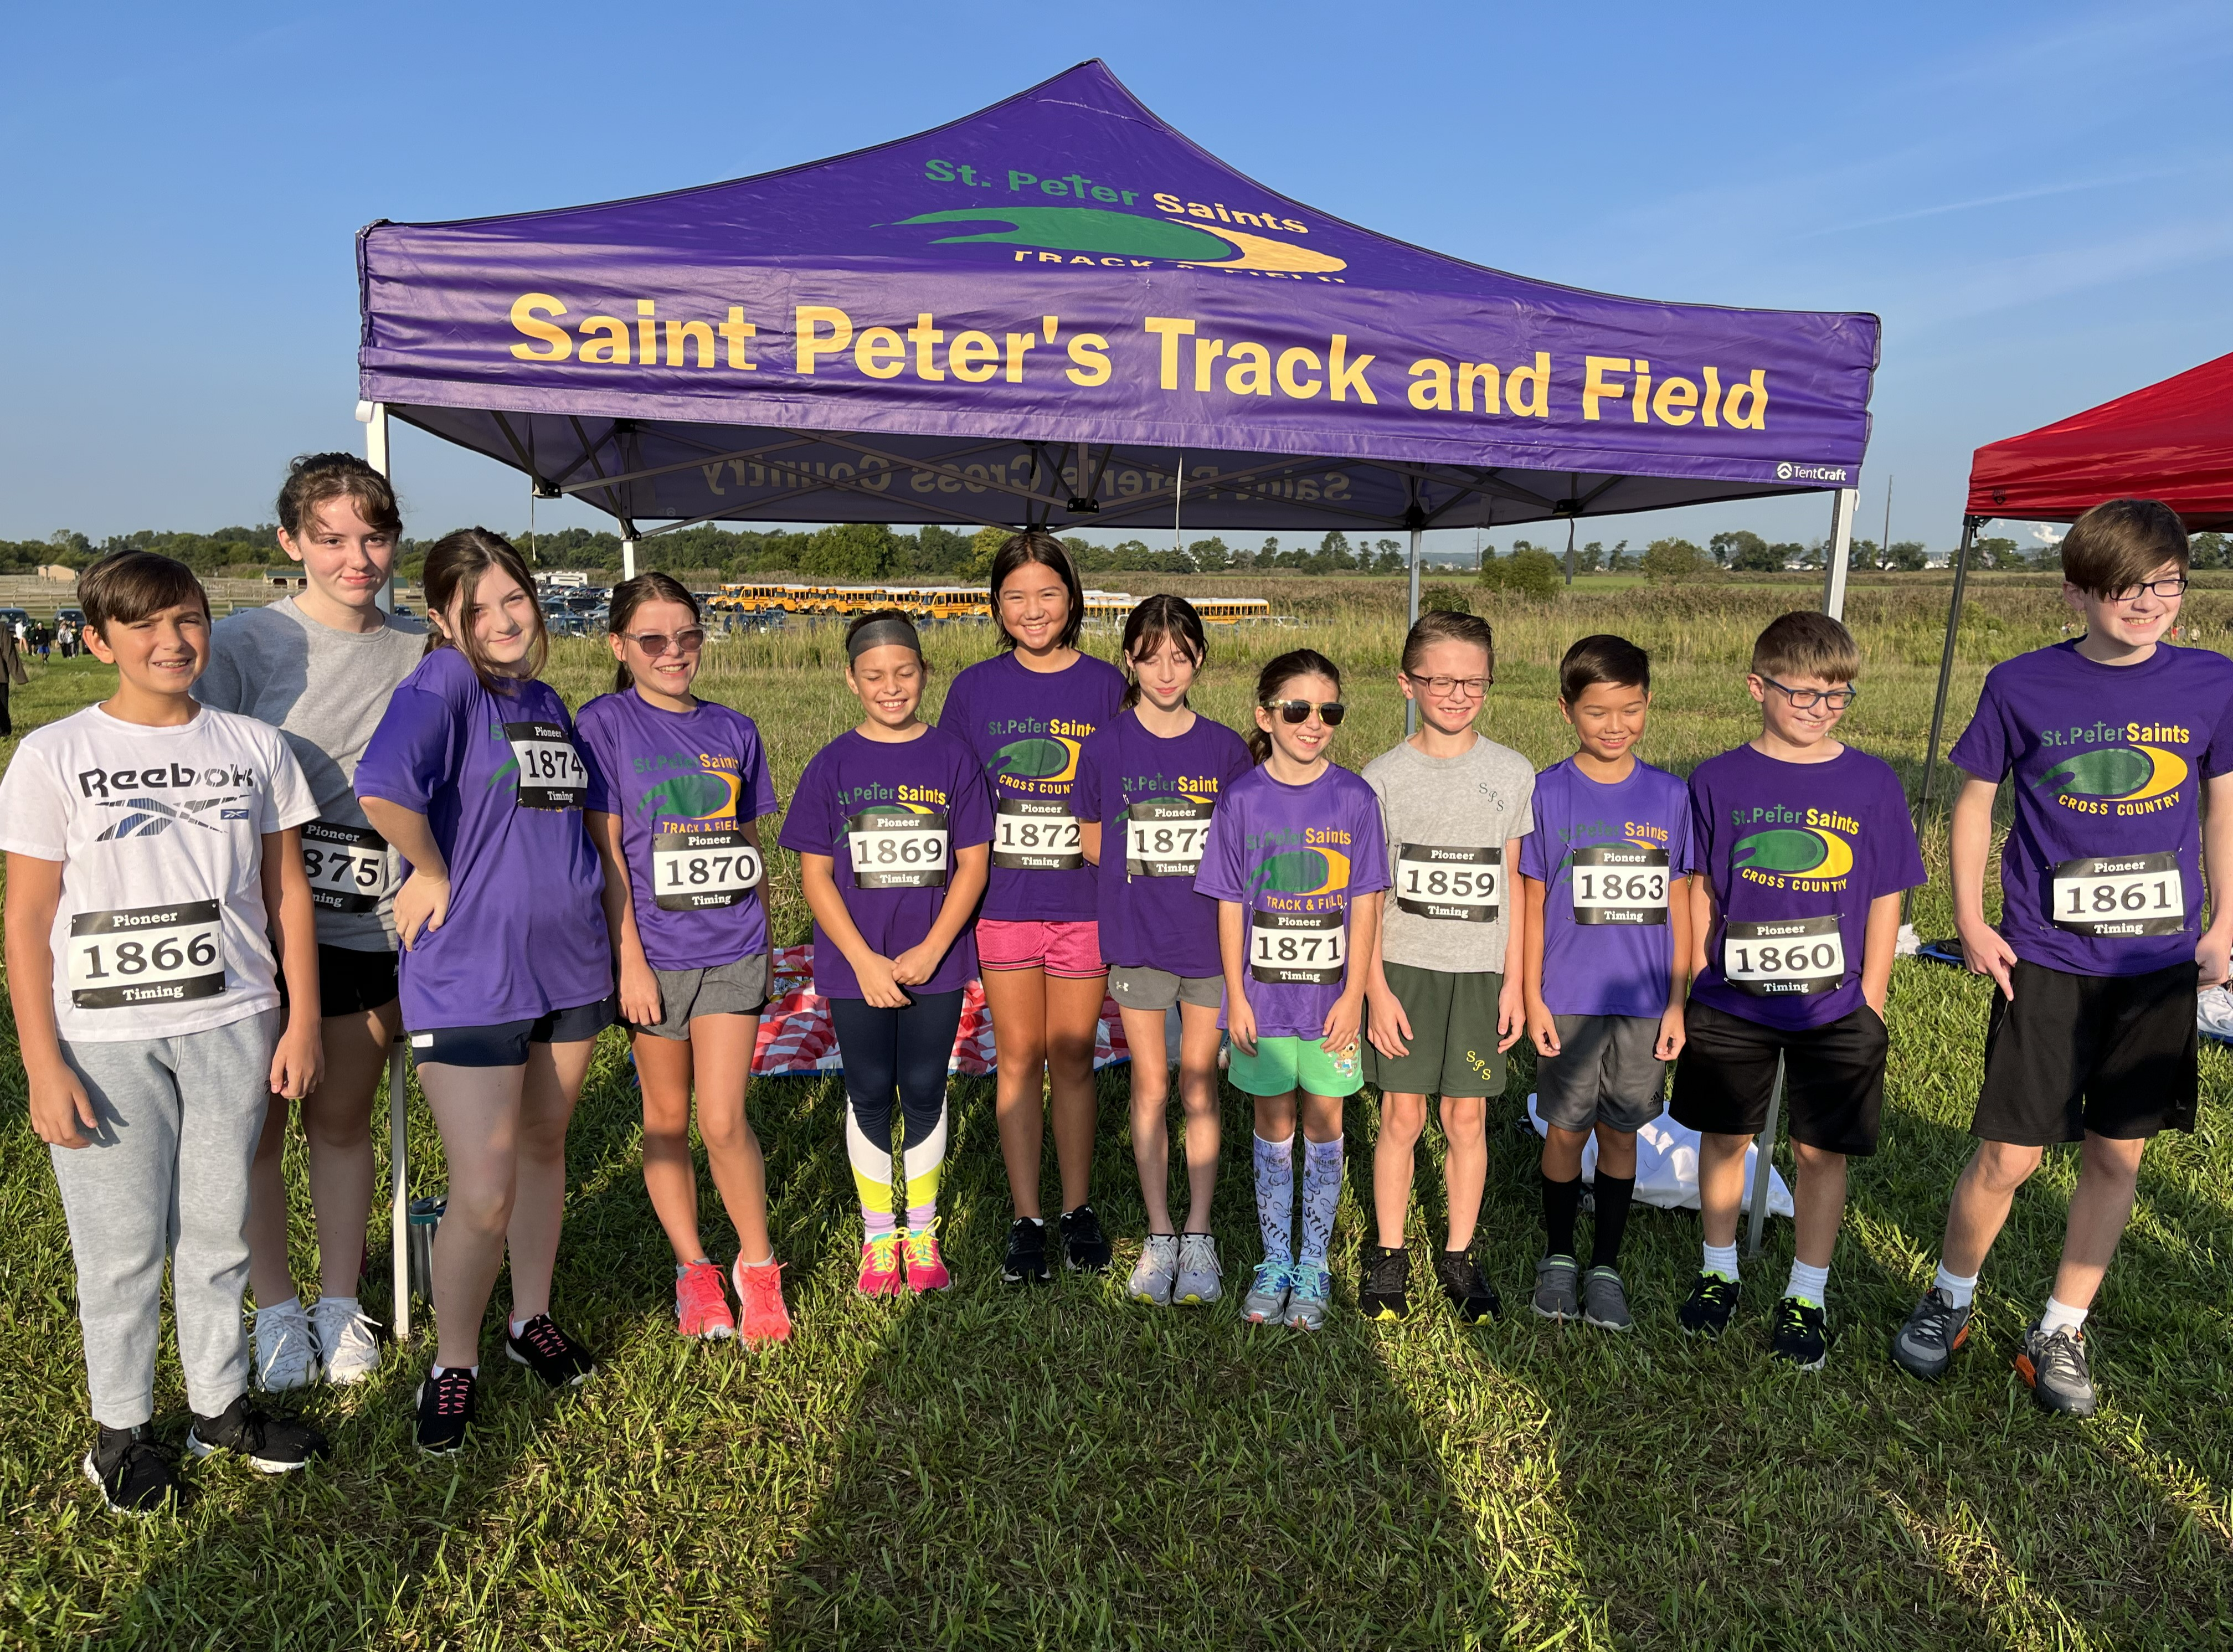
2118	895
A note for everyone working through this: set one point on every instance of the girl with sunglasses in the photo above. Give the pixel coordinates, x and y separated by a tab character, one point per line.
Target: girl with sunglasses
1147	787
1296	861
678	785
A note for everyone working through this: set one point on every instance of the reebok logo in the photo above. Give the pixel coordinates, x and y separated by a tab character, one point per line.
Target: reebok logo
98	782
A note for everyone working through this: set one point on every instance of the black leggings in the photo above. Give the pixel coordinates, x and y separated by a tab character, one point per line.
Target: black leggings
902	1050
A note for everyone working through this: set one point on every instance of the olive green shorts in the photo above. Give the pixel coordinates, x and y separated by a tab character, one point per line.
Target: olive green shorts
1452	1044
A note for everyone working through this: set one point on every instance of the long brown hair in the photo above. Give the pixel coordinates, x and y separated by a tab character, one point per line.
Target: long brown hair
1296	662
631	595
1159	619
455	564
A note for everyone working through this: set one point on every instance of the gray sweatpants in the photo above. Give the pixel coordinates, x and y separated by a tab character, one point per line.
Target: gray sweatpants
167	1174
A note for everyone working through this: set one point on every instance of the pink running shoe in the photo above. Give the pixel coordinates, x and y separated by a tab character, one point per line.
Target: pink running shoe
700	1308
879	1266
926	1268
761	1316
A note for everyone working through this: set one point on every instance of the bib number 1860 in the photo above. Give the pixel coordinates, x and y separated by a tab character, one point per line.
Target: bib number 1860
1794	956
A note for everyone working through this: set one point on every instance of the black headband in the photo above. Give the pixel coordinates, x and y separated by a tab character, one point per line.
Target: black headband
877	633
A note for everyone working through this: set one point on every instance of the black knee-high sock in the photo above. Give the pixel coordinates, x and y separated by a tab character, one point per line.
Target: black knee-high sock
1615	1193
1562	1202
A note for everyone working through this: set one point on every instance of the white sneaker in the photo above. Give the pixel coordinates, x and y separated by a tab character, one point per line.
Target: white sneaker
346	1345
286	1347
1159	1265
1199	1279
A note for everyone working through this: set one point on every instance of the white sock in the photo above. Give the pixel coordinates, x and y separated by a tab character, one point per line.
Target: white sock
294	1302
680	1268
1721	1260
350	1303
1959	1291
1809	1285
767	1261
2059	1316
438	1369
1036	1221
518	1327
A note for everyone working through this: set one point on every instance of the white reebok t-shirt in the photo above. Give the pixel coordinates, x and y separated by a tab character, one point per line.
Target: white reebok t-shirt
160	931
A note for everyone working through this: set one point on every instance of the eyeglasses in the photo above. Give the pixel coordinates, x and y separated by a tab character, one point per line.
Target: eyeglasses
2166	589
1470	687
1804	699
1299	711
656	643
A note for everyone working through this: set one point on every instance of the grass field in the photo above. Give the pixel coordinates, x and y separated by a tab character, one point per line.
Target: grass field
1059	1468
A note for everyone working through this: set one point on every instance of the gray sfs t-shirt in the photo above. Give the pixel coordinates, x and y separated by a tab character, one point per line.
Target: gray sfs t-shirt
326	691
1448	905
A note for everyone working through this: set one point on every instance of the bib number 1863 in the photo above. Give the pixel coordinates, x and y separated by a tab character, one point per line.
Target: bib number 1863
1620	883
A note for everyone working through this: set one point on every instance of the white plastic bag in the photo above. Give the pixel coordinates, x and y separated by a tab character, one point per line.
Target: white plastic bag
1667	1166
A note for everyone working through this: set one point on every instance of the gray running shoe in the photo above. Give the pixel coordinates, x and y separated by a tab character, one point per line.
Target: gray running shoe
1604	1300
1159	1266
1925	1346
1267	1301
2054	1366
1200	1280
286	1347
1307	1298
1557	1295
346	1345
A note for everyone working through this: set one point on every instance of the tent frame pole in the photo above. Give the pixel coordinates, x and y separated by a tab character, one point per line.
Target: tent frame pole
1843	503
1757	1219
1969	526
1410	705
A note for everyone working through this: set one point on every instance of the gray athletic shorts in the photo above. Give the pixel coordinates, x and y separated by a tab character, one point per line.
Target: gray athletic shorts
740	988
1158	989
1604	1073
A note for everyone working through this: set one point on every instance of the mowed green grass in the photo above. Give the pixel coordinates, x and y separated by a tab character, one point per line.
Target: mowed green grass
1061	1468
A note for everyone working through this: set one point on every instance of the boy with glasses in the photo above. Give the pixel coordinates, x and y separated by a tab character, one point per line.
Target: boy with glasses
1804	845
2112	740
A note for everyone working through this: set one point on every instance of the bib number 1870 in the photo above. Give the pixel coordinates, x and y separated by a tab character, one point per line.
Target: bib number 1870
702	871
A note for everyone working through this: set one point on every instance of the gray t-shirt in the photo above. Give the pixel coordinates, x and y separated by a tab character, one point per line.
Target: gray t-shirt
1448	820
326	691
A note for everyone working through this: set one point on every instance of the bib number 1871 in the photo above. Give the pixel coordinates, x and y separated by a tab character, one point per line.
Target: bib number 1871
1305	948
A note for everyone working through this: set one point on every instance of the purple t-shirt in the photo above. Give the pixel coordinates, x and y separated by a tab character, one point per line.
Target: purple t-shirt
1155	798
1795	852
1025	729
502	783
2102	873
683	785
1295	856
891	818
1611	860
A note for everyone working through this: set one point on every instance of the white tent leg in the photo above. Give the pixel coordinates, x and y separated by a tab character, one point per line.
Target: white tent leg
373	415
399	1188
1411	706
1761	1167
628	557
1843	503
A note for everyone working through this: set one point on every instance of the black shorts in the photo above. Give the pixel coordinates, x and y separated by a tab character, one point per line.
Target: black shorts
1832	1078
2112	1054
503	1043
350	982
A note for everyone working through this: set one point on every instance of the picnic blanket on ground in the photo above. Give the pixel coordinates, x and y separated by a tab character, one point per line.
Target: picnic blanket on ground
1667	1166
796	1039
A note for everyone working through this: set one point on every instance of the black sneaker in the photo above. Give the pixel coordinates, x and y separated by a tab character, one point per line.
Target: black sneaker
1085	1247
1706	1310
1799	1337
2054	1365
1925	1346
1472	1298
1387	1291
272	1441
1027	1257
549	1352
446	1410
133	1473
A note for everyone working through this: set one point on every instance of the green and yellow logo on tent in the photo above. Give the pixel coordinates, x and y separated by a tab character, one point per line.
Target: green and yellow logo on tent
2116	773
1087	229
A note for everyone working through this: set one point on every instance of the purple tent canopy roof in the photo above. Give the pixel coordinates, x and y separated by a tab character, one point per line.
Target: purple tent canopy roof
1058	301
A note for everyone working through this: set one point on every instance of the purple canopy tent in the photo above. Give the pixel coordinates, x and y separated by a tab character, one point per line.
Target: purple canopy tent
1059	311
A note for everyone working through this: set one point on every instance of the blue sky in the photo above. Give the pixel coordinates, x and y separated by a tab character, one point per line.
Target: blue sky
2034	198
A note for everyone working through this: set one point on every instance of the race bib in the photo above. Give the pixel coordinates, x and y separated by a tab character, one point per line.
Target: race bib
1463	885
1795	956
897	851
1031	835
119	960
1620	883
702	871
350	867
2115	895
1164	838
1307	948
551	775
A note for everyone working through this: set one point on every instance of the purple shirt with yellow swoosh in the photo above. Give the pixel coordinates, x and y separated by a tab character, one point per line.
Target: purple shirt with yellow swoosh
1026	727
2108	764
1789	841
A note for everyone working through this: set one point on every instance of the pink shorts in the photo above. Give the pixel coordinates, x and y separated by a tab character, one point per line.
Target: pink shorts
1066	951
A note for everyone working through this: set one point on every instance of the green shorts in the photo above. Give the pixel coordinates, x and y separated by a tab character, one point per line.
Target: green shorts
1453	1042
1284	1064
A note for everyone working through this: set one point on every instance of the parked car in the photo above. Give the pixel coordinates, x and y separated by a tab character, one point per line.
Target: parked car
74	616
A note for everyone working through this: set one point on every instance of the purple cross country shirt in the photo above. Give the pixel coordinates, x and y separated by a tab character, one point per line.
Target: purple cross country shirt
891	817
683	784
1295	857
1795	852
1026	729
2102	871
1611	858
501	781
1155	798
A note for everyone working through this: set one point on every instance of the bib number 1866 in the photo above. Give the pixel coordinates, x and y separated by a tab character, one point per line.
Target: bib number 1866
146	955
